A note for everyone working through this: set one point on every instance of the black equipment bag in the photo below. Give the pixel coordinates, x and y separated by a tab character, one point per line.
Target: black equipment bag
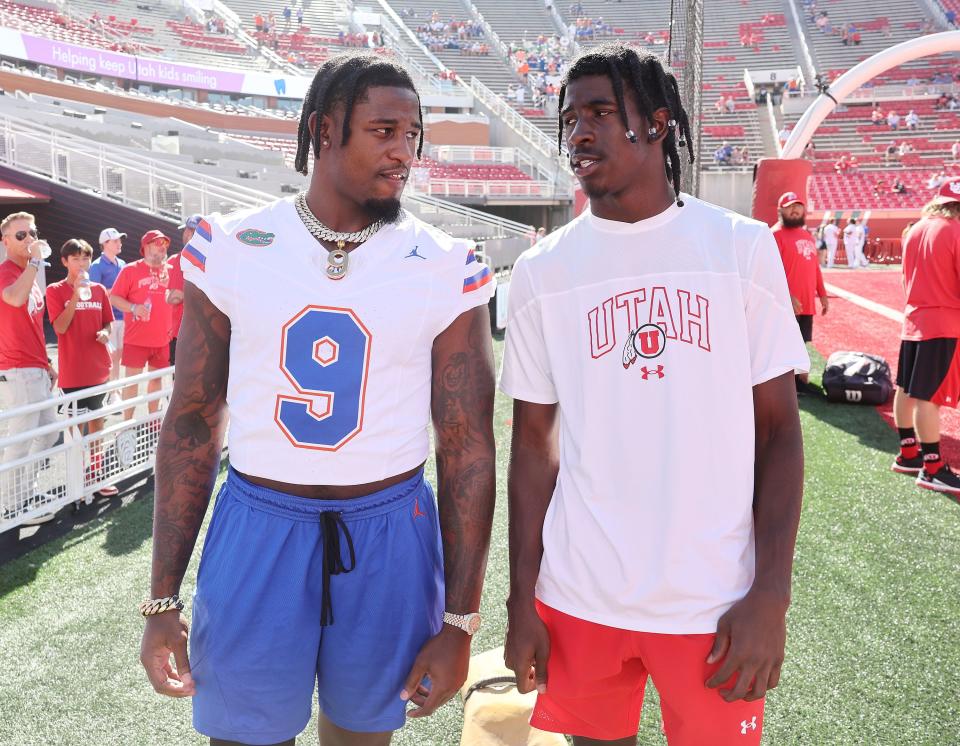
857	378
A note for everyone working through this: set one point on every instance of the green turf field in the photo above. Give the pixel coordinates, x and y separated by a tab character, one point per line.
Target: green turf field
873	655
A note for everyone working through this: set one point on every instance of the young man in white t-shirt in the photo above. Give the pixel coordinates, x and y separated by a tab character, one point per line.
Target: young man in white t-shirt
644	338
831	236
330	328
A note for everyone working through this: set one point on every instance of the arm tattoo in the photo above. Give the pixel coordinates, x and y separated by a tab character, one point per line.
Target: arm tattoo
462	404
188	455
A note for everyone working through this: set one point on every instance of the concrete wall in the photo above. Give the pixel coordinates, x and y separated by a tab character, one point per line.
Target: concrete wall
730	189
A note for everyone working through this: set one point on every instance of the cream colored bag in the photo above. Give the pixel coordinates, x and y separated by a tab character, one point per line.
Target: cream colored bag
494	712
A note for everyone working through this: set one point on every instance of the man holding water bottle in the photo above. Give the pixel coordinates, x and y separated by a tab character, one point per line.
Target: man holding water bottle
26	375
140	292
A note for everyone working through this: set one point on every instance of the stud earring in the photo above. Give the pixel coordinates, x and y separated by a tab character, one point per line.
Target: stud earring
672	123
651	134
631	136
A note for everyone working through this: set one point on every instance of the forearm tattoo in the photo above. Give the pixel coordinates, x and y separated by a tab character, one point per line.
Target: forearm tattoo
188	454
462	403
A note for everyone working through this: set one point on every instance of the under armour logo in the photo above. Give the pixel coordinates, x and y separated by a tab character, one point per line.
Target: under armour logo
413	253
647	372
745	726
417	513
853	395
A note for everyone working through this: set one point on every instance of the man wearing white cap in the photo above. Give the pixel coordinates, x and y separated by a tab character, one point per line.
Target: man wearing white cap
928	373
104	269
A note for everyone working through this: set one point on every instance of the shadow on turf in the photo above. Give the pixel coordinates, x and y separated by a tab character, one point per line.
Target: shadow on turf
865	423
71	525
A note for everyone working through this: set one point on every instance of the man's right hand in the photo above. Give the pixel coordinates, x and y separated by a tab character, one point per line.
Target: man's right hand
527	648
166	635
36	249
140	311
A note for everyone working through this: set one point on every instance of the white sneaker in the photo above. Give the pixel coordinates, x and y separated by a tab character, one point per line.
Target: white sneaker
42	518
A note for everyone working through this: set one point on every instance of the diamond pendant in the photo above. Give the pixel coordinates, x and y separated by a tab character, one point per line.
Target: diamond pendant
337	262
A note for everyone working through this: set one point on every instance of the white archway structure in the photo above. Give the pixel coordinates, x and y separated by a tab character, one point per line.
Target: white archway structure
923	46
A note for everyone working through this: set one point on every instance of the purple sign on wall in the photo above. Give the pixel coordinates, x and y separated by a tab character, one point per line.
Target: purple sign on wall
142	69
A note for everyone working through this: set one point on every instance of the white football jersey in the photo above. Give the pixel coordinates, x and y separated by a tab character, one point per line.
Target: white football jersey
330	380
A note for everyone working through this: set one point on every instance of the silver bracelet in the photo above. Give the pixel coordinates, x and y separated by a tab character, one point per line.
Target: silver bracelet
154	606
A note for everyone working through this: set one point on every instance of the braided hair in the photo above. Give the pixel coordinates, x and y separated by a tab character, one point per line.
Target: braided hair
345	79
654	86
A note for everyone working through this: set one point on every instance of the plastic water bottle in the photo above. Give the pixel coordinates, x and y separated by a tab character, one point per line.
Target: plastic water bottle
85	293
147	305
45	250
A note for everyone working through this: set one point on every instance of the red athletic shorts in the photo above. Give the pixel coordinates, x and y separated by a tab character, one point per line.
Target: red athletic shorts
596	676
137	356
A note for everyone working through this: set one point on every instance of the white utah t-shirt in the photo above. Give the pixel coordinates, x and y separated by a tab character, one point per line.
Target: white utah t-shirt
330	380
651	337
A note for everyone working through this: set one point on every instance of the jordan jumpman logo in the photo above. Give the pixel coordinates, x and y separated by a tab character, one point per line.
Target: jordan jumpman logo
414	253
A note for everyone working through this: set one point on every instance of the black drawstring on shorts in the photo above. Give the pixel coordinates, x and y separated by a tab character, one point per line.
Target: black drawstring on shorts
331	524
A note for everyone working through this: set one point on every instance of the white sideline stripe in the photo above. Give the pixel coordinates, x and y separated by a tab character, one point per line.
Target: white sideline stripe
870	305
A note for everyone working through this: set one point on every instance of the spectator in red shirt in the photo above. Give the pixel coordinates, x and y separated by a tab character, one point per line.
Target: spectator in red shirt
928	373
798	251
26	375
82	325
140	292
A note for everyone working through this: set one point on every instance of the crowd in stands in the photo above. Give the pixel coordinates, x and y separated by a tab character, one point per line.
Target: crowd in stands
731	155
540	63
438	34
108	315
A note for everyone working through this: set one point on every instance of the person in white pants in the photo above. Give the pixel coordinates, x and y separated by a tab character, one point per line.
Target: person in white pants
26	375
831	236
852	243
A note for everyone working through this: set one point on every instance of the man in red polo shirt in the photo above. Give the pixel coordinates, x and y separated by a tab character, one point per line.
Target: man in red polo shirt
928	374
26	375
82	325
798	251
140	291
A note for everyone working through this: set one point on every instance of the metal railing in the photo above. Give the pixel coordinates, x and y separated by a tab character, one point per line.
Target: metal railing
801	30
498	155
544	146
490	189
70	467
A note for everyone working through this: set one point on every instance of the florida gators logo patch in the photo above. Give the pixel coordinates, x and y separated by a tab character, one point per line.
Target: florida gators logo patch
254	237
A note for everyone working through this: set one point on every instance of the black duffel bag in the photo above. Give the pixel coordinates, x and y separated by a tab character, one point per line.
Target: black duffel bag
857	378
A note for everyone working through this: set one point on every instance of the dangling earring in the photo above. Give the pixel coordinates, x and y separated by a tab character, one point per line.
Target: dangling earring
652	134
631	136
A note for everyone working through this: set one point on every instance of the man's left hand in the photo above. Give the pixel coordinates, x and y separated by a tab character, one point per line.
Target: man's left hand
445	659
824	305
52	372
750	639
103	336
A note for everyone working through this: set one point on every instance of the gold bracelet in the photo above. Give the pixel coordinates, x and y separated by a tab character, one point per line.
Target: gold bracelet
153	606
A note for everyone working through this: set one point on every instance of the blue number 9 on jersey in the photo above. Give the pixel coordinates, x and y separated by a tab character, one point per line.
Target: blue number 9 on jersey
325	353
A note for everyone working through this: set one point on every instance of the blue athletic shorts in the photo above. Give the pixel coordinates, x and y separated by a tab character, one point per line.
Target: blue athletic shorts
257	645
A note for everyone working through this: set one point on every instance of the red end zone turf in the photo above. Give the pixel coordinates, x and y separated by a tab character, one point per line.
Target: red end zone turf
848	326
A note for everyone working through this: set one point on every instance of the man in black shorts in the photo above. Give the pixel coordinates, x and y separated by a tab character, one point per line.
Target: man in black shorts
928	375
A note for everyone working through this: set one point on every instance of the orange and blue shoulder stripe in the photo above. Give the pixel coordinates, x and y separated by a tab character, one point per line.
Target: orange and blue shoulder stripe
481	278
193	255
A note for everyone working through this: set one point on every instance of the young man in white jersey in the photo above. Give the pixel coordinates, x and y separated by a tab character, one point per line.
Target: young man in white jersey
331	327
831	235
645	337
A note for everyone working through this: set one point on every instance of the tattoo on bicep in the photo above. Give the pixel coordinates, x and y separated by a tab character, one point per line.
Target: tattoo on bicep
191	439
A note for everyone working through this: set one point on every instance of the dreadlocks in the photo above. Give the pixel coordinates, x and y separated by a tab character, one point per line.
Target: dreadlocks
345	78
653	84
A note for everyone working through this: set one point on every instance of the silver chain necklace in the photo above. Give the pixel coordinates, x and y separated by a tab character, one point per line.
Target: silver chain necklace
337	259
